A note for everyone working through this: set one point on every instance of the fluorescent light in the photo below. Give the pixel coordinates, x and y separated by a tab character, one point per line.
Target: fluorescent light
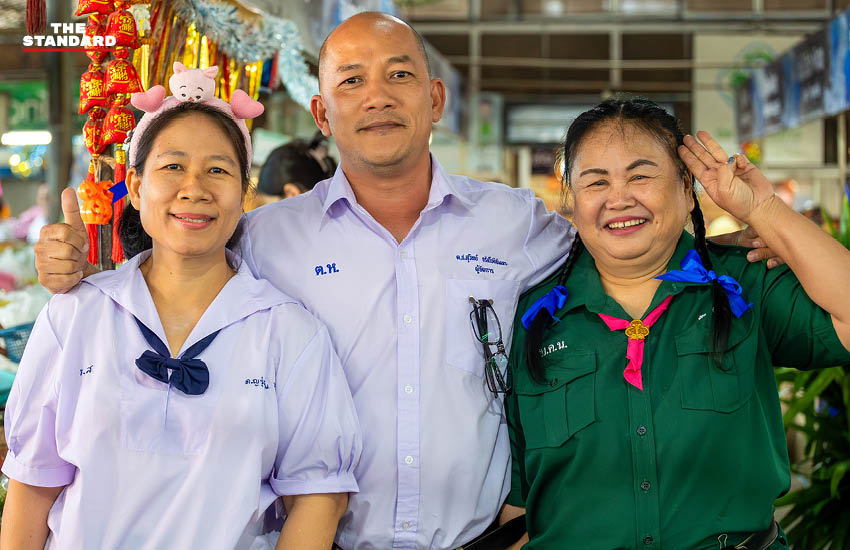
26	137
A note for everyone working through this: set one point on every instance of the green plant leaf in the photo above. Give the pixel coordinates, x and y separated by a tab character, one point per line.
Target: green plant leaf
844	224
823	379
830	227
838	471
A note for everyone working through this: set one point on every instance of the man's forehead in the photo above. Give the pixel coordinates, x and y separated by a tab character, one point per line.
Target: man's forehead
367	39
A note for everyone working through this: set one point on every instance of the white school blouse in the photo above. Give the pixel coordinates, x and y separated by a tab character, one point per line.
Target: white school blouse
148	467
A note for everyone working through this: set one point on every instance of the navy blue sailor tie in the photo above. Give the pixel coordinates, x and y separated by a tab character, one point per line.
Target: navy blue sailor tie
188	374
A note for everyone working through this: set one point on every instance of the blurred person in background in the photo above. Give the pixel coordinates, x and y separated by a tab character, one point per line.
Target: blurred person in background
290	170
29	223
319	151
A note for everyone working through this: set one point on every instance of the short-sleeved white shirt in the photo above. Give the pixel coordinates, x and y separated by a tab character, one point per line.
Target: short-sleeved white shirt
149	467
436	458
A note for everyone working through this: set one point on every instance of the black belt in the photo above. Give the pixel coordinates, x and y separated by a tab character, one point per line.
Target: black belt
761	540
498	538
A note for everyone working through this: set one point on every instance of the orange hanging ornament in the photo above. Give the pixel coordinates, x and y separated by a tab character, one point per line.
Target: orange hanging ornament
85	7
121	76
92	93
122	25
96	208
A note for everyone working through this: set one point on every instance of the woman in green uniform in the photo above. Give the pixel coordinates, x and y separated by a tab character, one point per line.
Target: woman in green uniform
644	410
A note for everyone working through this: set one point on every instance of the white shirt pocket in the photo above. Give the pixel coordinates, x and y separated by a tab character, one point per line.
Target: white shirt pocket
463	349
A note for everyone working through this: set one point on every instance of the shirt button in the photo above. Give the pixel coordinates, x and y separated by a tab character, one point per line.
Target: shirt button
408	389
641	430
405	525
403	257
647	540
645	485
408	319
408	460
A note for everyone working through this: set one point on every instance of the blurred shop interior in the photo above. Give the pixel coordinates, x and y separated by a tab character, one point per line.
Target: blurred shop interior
769	78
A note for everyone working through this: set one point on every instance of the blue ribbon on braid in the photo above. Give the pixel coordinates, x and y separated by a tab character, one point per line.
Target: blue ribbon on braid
551	302
693	271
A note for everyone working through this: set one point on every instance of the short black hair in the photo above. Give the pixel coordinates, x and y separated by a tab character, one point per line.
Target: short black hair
290	163
420	42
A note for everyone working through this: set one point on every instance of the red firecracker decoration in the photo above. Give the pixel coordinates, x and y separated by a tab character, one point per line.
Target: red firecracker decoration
85	7
96	57
117	124
35	17
121	76
119	175
92	91
122	25
92	131
96	28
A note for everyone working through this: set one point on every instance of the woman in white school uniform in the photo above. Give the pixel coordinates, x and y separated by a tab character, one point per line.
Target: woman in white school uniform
167	404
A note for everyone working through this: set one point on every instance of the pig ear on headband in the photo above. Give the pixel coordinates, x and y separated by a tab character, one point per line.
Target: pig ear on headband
150	100
211	72
244	107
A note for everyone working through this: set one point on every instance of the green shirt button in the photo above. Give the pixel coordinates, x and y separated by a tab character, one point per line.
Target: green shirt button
554	382
645	485
641	430
647	540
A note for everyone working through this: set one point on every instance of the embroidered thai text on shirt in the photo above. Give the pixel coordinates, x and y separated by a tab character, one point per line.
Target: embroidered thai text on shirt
546	350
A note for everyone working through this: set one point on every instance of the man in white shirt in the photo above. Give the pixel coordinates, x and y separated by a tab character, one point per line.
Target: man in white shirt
387	254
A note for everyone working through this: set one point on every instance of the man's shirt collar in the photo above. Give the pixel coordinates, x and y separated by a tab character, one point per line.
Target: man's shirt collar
442	186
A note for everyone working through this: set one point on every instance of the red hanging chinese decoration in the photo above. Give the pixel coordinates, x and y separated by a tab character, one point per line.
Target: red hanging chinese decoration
85	7
122	26
120	175
96	208
121	76
92	92
117	125
35	16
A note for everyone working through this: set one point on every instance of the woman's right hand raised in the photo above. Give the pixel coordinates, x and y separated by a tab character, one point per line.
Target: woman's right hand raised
61	253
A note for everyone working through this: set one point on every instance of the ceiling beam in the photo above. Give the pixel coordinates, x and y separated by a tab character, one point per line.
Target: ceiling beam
601	64
525	84
579	25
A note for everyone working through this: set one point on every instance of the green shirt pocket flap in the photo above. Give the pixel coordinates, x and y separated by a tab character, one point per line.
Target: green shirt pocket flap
560	369
552	412
707	386
697	338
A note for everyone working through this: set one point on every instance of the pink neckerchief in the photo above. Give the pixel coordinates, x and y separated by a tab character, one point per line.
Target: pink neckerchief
636	330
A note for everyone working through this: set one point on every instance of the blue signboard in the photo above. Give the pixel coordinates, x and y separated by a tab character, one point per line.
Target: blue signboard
809	81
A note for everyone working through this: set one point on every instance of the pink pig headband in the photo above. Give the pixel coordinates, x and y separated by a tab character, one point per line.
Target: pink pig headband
197	86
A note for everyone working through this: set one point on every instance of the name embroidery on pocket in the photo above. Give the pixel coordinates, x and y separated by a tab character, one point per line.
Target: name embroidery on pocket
551	348
258	382
493	261
86	371
326	269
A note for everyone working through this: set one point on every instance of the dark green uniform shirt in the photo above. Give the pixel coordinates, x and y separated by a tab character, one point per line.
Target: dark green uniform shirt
700	452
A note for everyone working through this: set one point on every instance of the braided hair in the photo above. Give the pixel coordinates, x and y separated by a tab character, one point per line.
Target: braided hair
664	127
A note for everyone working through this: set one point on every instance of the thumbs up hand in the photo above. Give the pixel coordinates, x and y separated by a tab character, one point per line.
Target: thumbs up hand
62	249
